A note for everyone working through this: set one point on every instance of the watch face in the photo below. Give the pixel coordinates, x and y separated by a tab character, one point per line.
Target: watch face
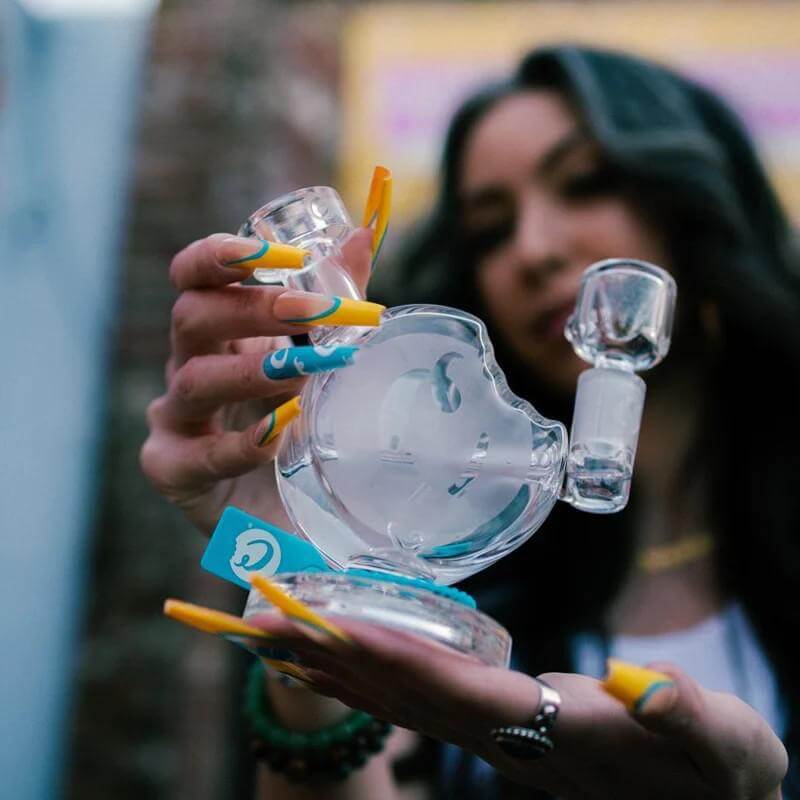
418	458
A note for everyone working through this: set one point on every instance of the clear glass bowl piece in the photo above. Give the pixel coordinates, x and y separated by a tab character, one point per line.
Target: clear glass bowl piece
623	315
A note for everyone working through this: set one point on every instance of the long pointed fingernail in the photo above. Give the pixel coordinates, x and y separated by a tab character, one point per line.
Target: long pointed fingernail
296	609
276	421
378	208
633	685
288	668
244	253
210	620
308	308
291	362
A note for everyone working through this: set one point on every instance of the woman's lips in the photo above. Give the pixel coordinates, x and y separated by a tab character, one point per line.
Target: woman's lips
550	324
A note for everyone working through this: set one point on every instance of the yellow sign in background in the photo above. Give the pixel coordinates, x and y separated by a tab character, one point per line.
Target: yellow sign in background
407	67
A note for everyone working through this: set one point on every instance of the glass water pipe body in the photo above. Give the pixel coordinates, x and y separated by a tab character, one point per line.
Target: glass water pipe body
418	460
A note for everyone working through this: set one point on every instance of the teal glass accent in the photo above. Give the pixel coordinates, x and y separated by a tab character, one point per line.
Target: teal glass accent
450	592
243	544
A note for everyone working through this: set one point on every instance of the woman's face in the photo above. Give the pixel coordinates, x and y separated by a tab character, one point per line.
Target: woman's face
540	205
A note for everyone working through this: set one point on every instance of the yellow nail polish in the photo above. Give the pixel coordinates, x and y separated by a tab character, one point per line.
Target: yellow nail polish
276	421
633	685
210	620
376	187
307	308
295	608
244	253
287	668
378	207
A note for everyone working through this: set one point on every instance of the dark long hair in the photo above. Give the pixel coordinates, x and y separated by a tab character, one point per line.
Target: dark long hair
691	169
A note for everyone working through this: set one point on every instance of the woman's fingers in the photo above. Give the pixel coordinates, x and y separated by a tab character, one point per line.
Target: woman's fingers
182	467
212	310
732	746
205	383
203	321
198	266
222	259
439	679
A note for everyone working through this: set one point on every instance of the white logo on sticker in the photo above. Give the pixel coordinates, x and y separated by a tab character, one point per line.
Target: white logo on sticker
257	551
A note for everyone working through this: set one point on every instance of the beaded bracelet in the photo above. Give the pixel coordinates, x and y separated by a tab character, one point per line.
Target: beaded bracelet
330	754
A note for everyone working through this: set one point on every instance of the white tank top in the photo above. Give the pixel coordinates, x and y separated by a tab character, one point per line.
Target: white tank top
722	653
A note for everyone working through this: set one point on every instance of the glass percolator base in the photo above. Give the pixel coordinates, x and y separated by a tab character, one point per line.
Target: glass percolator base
409	608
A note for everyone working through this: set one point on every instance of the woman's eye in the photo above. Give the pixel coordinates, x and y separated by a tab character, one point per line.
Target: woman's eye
589	184
484	239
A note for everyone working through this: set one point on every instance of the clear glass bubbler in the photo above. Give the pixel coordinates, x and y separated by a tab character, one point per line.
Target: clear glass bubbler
417	466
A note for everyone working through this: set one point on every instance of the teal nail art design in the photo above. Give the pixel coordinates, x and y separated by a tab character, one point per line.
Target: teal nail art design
649	692
262	440
337	301
252	257
378	250
291	362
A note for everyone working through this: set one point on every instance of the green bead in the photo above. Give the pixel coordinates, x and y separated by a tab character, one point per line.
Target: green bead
332	752
280	736
296	740
323	739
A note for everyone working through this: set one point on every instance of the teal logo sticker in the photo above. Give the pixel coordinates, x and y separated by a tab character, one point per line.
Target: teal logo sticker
243	545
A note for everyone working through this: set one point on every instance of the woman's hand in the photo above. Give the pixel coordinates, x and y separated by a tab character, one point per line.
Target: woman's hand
207	447
687	742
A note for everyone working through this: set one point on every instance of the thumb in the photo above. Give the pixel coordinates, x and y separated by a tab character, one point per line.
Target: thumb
675	707
661	697
728	742
649	694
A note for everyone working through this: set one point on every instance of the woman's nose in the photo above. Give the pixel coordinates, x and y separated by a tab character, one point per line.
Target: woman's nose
539	246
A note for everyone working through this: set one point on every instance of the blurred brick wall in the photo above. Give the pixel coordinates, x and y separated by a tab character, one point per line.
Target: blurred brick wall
239	106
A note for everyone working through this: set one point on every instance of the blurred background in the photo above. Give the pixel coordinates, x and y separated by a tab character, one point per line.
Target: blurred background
128	128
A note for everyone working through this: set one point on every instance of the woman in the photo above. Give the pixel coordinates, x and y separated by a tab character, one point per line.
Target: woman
580	156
